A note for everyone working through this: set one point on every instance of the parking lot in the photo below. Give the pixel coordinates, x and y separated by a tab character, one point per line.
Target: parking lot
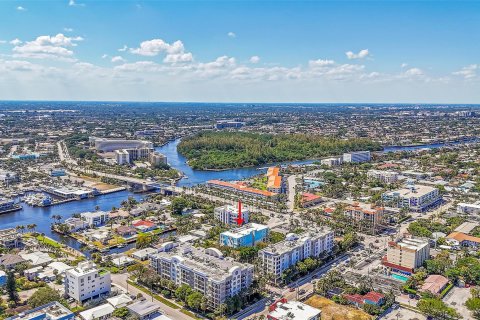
456	298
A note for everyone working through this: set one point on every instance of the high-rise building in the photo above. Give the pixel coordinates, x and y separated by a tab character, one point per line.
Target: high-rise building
157	159
357	157
229	214
416	198
369	218
86	281
280	256
384	176
204	270
406	255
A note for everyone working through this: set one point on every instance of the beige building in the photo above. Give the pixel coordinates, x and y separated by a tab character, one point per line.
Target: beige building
280	256
406	255
369	218
204	270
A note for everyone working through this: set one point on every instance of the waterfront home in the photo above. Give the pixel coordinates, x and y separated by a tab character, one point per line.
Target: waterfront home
145	225
10	238
9	261
126	231
95	219
100	235
122	261
75	224
37	258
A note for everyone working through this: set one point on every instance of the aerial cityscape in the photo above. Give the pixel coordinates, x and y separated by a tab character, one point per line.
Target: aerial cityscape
142	180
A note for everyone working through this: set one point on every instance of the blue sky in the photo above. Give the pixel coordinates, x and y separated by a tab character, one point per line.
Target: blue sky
265	51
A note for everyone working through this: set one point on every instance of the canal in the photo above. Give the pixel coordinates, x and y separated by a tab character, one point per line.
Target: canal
41	216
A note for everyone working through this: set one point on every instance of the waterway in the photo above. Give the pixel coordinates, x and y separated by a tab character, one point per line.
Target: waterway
195	177
41	216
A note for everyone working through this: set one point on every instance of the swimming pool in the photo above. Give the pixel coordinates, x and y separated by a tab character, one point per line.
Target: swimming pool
399	277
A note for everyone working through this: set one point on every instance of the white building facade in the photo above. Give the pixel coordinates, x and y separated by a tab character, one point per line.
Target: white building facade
278	257
86	281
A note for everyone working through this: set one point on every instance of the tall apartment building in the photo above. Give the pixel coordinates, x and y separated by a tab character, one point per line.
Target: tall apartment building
245	236
384	176
416	198
275	181
367	217
86	281
204	270
406	255
127	156
357	157
332	162
95	218
228	214
278	257
157	158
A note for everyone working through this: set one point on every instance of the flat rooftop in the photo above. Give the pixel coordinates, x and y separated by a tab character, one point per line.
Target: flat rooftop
295	240
244	230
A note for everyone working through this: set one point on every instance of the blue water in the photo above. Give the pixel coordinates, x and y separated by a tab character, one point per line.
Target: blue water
41	216
399	277
195	177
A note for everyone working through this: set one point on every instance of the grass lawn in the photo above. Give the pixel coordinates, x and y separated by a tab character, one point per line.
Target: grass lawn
334	311
48	241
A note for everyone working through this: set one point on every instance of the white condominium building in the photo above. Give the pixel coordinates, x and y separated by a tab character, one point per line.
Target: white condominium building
417	198
406	255
384	176
357	157
127	156
95	218
228	214
468	208
86	281
204	270
332	162
278	257
10	238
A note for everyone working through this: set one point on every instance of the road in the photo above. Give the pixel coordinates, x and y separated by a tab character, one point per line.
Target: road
120	280
292	183
304	283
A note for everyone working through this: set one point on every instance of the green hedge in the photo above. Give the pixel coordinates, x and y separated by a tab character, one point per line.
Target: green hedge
445	291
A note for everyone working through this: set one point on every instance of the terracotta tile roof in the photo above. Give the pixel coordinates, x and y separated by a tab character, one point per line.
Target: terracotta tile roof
434	283
306	197
243	188
144	223
459	236
374	296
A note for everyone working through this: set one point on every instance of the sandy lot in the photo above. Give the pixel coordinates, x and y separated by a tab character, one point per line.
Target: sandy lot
334	311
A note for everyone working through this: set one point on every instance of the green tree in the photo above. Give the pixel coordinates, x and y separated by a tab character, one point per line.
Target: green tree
11	287
182	292
437	309
43	296
122	313
194	300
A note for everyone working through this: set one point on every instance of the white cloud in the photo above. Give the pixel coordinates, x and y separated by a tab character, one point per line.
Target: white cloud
72	3
404	65
254	59
20	8
414	72
118	59
231	34
124	48
320	63
139	66
360	55
47	47
104	56
16	42
67	29
3	41
175	52
468	72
